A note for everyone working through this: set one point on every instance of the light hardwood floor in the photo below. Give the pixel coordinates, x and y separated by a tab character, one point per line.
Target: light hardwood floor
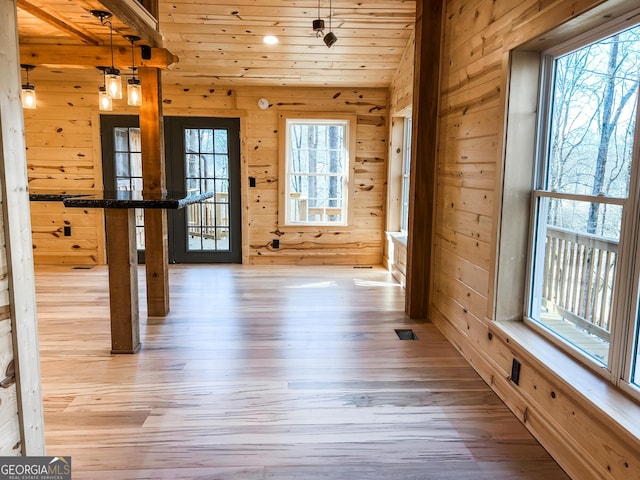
269	373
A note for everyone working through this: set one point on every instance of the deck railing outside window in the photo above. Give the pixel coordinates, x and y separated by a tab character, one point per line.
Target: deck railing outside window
577	286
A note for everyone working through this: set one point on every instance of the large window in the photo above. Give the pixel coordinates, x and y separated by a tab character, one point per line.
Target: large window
316	177
585	263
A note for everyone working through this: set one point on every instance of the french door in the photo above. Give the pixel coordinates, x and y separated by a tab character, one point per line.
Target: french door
205	157
202	155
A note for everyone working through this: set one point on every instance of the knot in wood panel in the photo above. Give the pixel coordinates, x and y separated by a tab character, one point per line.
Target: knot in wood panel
10	376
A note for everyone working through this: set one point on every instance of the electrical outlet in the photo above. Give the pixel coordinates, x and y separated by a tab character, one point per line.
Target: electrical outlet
67	231
252	182
515	371
275	243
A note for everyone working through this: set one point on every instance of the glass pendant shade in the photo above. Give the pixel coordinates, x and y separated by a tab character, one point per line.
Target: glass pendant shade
113	83
104	100
28	96
134	92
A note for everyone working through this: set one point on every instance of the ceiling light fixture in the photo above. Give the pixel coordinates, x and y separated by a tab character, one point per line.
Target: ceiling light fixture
318	24
270	40
134	86
113	82
330	38
28	90
105	102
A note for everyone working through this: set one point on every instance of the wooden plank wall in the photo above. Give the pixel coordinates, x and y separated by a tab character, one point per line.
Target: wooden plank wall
9	425
401	89
361	243
64	154
478	35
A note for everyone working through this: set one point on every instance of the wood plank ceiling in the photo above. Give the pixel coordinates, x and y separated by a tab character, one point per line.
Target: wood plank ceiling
224	41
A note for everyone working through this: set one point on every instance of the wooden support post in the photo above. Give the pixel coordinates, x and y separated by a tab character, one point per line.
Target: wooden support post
19	297
154	180
424	143
123	280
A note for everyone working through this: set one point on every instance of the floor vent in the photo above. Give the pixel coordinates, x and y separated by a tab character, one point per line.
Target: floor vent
406	334
363	266
81	268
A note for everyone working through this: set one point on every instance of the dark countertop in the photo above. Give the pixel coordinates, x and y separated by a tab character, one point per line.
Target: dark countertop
53	197
122	199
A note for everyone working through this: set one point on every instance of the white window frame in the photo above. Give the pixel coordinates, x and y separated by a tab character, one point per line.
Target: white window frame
625	303
285	212
406	176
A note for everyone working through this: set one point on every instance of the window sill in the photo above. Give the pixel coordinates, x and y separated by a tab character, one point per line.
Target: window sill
594	393
315	227
397	237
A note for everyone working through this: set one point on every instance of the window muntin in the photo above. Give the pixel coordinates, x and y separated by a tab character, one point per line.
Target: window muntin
317	166
584	202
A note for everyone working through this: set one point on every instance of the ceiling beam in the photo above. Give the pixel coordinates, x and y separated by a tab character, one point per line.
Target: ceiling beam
89	56
63	25
134	15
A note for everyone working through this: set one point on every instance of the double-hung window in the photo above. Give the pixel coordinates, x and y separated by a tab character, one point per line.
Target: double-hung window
585	264
316	170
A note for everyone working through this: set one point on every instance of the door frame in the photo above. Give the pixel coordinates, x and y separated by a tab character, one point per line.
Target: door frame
175	168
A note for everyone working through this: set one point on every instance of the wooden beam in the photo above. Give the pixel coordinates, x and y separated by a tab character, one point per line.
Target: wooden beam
16	224
63	25
424	142
123	280
154	180
134	15
91	56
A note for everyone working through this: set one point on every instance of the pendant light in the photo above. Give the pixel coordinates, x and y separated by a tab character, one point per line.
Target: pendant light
105	102
134	86
113	81
318	24
28	90
330	38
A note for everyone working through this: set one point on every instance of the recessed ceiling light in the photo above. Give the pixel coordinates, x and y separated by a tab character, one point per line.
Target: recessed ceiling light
270	40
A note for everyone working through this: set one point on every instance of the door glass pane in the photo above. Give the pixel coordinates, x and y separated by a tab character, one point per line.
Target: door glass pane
206	140
121	139
207	165
221	141
191	141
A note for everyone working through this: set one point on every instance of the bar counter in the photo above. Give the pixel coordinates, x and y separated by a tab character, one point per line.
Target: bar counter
119	210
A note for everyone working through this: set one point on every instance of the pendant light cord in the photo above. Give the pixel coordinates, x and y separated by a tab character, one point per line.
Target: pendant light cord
330	15
133	60
111	43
